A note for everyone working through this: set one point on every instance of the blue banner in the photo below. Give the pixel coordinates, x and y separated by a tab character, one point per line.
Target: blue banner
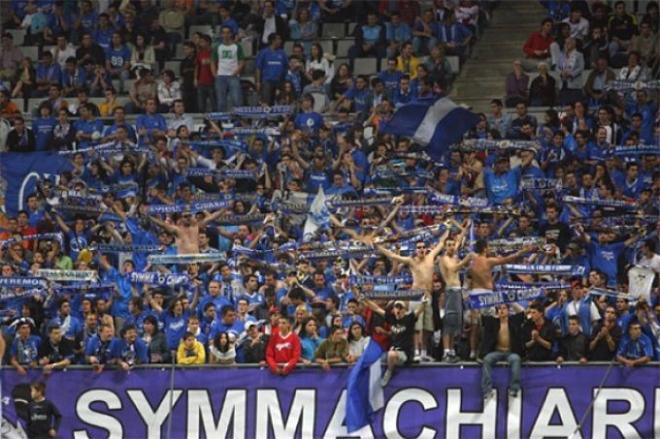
436	401
22	171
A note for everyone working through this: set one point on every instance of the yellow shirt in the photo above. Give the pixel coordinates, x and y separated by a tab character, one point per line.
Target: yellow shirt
408	67
106	108
196	355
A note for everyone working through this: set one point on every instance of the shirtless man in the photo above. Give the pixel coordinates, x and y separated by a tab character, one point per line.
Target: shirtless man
187	230
481	280
450	265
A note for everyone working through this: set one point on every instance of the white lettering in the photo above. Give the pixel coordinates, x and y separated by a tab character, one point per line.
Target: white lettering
337	428
656	427
455	417
513	418
394	405
303	408
97	419
233	409
153	420
556	399
621	421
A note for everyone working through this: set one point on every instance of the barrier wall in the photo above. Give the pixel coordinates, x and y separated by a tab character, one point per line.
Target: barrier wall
424	402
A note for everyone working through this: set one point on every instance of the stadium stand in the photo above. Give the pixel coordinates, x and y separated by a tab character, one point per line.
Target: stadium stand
160	194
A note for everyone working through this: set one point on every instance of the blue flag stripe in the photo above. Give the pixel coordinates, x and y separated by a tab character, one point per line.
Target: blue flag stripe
362	400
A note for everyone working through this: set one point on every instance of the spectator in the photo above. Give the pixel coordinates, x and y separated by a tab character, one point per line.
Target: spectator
636	349
621	28
73	78
173	19
254	345
48	73
647	45
190	351
20	138
538	335
118	60
594	88
63	50
440	70
143	56
397	32
573	346
129	350
98	350
425	32
43	417
336	11
516	86
303	28
333	349
222	350
596	47
570	67
407	62
169	90
318	61
90	51
283	351
270	23
502	342
188	76
542	91
10	58
143	89
24	349
56	352
605	337
633	71
228	65
369	39
8	109
498	120
271	67
578	24
155	341
455	36
357	341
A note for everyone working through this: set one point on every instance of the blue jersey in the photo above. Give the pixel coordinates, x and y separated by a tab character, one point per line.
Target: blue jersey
175	327
124	292
503	186
604	257
390	80
362	99
133	353
102	350
25	351
273	64
88	127
311	121
42	127
635	349
118	57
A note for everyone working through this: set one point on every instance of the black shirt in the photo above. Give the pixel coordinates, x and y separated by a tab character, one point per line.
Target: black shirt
538	352
42	416
559	234
601	351
56	353
403	332
573	347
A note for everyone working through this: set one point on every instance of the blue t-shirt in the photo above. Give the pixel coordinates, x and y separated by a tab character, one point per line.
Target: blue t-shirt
101	350
88	127
501	187
390	80
124	292
361	98
604	257
118	57
42	127
311	121
273	64
175	327
642	347
51	73
134	353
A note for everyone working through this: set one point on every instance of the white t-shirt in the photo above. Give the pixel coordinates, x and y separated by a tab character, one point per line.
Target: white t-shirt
640	282
653	263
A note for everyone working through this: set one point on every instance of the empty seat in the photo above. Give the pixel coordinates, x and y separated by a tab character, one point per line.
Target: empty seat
33	104
365	66
351	28
455	64
31	52
20	104
19	36
247	48
343	46
178	52
173	66
333	30
328	46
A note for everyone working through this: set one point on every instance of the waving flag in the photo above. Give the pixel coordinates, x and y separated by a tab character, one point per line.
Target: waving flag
364	394
436	124
318	216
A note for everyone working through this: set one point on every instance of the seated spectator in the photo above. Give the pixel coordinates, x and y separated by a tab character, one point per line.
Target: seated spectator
48	73
341	82
156	37
621	28
98	81
516	86
74	76
573	346
425	32
190	351
169	90
647	45
25	81
542	91
303	28
397	32
10	59
8	109
107	107
499	120
605	337
636	348
633	71
440	70
578	25
63	51
222	349
407	62
269	23
90	51
369	39
596	47
598	78
143	89
358	98
336	11
143	56
118	60
283	351
455	36
20	138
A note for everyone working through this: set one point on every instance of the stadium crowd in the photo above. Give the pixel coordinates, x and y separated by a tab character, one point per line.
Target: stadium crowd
196	234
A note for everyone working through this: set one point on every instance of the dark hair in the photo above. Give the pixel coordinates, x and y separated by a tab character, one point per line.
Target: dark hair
480	245
216	342
649	244
39	386
225	309
574	318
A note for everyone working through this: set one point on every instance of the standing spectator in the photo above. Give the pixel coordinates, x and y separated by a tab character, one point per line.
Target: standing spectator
303	28
270	23
596	47
143	55
63	50
173	20
187	74
98	350
283	351
190	351
43	417
621	29
254	345
157	38
222	349
636	349
538	335
56	352
570	68
271	66
542	92
25	80
502	341
605	337
24	349
48	73
10	57
516	85
573	346
425	32
204	76
155	341
42	127
455	36
129	350
333	349
537	46
20	138
598	78
499	120
228	64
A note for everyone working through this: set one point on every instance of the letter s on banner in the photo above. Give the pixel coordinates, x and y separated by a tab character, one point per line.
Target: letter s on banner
98	419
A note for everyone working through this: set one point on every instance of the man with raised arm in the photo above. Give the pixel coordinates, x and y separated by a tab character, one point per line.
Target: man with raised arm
450	265
186	230
481	280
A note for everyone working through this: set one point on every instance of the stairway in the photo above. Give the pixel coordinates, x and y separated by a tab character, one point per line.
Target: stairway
483	75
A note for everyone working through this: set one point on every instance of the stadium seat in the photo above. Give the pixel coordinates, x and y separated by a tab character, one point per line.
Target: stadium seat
350	28
328	46
178	52
33	104
174	66
203	29
20	104
320	102
343	46
19	36
333	30
365	66
250	66
31	52
455	64
247	48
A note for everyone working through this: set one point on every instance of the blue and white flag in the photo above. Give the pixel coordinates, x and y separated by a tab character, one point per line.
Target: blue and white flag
437	124
318	216
22	171
364	394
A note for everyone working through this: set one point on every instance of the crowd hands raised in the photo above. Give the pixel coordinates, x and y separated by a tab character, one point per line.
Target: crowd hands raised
244	285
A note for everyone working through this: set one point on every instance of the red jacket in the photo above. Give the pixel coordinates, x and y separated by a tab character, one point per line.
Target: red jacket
536	41
283	350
